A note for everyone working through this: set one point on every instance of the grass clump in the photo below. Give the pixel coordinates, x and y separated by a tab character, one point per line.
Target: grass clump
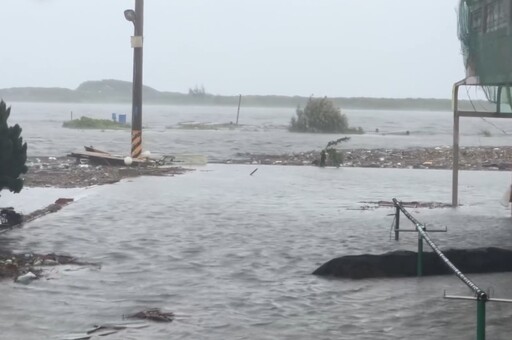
91	123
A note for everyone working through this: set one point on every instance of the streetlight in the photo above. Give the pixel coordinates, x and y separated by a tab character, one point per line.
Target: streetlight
137	18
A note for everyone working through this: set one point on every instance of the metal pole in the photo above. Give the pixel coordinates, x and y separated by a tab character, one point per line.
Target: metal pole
419	264
480	319
137	79
397	223
455	167
238	111
498	104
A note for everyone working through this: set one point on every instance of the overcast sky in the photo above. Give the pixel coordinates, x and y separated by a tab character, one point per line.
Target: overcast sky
372	48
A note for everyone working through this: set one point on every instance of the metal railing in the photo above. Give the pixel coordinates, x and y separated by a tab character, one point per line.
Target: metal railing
480	296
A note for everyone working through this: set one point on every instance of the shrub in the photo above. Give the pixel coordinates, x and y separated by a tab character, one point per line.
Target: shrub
320	115
13	153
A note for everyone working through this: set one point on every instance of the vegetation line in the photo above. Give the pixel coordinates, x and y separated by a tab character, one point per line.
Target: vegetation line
116	91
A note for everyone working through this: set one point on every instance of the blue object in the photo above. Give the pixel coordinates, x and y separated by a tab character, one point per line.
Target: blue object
122	119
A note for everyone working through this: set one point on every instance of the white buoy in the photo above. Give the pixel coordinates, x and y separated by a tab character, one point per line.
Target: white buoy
146	154
128	160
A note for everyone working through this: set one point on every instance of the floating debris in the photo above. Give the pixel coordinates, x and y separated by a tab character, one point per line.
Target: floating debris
205	126
440	157
413	204
17	266
104	330
66	173
154	314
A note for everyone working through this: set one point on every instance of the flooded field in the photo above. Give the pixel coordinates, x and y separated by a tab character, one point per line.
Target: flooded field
232	254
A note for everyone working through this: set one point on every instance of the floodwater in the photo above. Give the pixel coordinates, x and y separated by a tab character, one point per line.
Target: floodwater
232	254
262	130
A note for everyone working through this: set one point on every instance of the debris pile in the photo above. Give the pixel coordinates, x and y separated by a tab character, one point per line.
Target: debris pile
441	157
24	268
411	204
63	172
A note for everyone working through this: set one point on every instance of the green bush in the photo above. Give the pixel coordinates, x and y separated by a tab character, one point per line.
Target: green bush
13	153
320	115
90	123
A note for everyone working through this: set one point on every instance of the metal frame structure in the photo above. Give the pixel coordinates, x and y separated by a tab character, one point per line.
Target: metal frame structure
457	113
479	295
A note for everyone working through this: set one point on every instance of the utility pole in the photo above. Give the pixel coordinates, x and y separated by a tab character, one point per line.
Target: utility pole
137	41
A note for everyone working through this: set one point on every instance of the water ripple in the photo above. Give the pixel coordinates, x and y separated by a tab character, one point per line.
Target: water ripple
233	255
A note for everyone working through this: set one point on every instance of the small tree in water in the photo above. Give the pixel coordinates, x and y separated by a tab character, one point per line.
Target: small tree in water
13	153
320	115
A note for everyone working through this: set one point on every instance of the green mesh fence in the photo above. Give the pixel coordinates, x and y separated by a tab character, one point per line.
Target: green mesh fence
485	33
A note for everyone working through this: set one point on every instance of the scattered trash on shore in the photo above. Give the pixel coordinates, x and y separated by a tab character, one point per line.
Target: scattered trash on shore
441	157
64	172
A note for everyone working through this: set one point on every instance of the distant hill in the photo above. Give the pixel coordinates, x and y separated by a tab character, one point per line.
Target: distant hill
117	91
112	91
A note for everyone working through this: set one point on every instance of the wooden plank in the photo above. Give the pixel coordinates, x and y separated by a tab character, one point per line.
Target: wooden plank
92	149
103	158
